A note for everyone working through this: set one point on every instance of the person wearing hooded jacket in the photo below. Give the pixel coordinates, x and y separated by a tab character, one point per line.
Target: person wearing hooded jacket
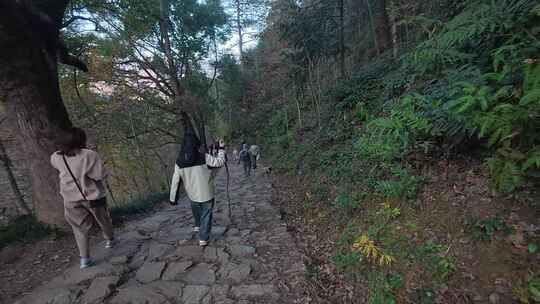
193	168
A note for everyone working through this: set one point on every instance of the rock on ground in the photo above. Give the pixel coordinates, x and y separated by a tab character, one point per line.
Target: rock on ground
100	289
157	260
150	272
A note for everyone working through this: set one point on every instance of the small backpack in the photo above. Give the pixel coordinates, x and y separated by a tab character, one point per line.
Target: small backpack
190	155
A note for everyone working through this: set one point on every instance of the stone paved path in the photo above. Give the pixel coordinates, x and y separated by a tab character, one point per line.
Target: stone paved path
252	259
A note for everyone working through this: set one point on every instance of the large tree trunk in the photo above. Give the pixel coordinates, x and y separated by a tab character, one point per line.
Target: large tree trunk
29	49
31	94
6	162
341	38
382	26
395	37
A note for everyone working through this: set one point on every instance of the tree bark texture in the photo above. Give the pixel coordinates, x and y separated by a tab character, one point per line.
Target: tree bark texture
382	26
6	163
342	39
30	48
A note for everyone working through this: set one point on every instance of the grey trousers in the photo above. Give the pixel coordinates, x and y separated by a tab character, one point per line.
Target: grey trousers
80	217
247	168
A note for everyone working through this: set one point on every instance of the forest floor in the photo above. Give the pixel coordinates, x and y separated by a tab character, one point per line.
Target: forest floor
276	252
251	259
25	266
460	243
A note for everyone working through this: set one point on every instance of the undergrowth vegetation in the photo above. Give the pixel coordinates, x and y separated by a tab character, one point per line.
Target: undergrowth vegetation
136	206
365	149
25	229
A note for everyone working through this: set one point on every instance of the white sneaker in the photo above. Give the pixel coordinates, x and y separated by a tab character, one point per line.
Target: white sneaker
196	229
86	264
203	243
109	244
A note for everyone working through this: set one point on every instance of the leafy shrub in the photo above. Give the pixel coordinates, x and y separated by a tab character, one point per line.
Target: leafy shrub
390	137
498	100
361	111
346	201
365	86
434	106
373	253
433	256
344	260
507	115
382	288
404	186
485	230
424	296
373	147
461	40
335	162
443	269
319	192
529	291
136	206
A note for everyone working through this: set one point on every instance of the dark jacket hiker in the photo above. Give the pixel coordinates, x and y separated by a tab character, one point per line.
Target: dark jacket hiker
245	157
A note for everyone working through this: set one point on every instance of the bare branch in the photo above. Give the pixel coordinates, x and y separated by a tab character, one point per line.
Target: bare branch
66	58
76	18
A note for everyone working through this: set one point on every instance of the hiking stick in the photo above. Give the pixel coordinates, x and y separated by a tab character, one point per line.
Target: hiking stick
228	193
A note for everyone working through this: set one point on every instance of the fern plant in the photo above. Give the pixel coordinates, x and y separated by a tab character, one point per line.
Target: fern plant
367	247
507	115
477	26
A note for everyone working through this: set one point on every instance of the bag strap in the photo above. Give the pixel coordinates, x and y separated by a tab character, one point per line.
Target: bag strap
74	179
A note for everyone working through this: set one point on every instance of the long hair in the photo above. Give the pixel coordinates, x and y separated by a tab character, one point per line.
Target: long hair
73	140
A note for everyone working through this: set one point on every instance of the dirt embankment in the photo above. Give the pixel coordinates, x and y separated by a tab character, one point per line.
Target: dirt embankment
483	238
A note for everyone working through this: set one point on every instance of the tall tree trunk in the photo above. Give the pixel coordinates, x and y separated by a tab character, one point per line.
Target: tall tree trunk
341	39
382	26
30	46
6	162
185	102
239	30
164	29
141	156
299	112
395	42
372	26
393	12
216	62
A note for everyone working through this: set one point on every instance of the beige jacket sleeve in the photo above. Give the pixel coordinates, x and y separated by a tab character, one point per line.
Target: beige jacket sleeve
96	170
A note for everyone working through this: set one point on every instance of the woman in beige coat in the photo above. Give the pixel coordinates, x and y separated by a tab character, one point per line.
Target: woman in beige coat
82	187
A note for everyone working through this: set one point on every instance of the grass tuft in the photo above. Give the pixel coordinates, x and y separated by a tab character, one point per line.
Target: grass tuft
136	206
25	229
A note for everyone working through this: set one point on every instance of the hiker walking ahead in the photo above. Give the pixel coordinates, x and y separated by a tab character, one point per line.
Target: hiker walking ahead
245	157
82	187
193	168
255	152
